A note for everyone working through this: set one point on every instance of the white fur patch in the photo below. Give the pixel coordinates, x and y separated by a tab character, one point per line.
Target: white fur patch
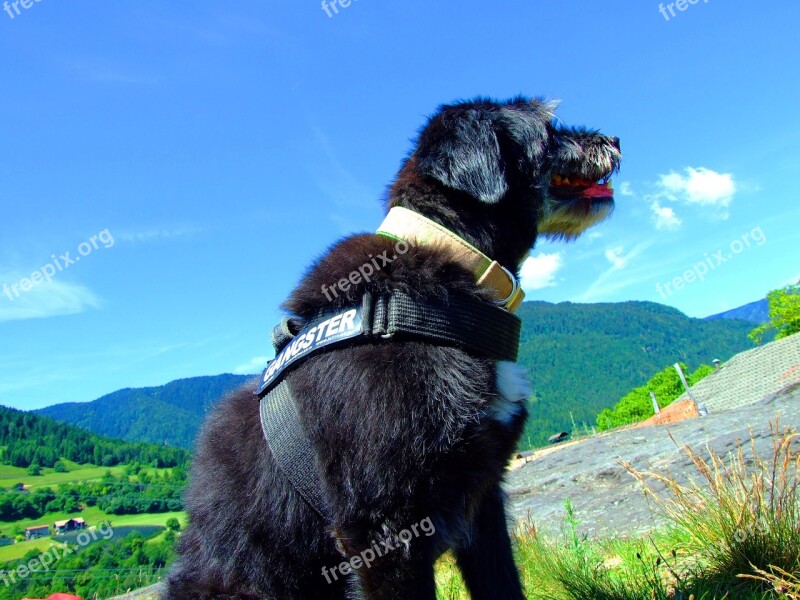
513	389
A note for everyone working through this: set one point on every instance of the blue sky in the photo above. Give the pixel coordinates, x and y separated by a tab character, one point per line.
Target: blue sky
218	148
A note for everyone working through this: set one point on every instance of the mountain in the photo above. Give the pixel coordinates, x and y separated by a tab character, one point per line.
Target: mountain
170	414
582	358
755	312
29	439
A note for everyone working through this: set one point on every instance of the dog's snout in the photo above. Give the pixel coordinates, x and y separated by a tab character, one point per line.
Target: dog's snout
615	142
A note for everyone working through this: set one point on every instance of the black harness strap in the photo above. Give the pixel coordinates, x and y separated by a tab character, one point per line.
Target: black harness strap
474	325
289	444
482	328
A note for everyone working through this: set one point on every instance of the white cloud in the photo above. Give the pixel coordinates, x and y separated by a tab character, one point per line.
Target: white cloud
151	235
626	189
254	365
616	256
701	186
793	280
45	300
622	273
102	71
539	271
665	217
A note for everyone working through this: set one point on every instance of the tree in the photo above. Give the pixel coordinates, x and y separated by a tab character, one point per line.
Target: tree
71	505
34	470
637	405
60	467
173	524
784	314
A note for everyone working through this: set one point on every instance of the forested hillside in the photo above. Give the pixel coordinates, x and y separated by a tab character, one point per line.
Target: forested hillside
756	312
583	358
28	439
169	414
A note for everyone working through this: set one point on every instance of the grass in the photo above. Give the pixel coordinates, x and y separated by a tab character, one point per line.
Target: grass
76	473
733	533
146	519
10	476
17	551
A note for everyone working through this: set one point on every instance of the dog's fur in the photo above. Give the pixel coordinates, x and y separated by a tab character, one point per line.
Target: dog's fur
403	431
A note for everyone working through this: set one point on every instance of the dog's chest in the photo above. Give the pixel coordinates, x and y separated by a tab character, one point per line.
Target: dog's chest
513	391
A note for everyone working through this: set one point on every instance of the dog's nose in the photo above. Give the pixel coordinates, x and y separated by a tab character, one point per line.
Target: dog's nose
615	141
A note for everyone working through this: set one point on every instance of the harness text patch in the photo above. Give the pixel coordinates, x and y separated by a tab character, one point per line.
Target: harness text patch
343	326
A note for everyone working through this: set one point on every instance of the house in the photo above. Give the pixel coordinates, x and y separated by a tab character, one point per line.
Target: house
750	377
62	527
558	438
40	531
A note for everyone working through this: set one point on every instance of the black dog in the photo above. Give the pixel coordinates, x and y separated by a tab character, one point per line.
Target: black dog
411	438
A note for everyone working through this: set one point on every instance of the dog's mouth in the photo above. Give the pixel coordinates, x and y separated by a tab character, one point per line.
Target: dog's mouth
576	203
563	187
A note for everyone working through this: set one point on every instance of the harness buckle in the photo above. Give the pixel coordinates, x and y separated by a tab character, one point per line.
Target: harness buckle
514	288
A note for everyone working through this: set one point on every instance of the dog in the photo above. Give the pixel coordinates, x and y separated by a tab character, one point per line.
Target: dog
411	438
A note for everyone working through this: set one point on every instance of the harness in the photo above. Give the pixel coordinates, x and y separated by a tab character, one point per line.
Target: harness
481	328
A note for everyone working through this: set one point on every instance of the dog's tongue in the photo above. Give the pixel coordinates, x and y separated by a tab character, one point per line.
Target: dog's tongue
598	190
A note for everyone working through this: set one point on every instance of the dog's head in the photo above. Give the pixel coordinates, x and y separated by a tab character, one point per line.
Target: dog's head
505	172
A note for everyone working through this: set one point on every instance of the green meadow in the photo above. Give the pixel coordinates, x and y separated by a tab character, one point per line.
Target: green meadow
11	476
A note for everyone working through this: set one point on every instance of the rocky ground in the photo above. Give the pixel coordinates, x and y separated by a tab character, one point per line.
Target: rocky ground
608	501
150	593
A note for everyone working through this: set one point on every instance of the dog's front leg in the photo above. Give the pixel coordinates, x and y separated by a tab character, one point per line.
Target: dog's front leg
486	560
388	569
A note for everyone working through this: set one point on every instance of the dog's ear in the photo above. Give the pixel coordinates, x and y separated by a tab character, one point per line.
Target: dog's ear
469	146
459	148
526	124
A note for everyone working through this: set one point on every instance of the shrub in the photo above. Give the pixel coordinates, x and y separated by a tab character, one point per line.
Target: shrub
784	314
638	406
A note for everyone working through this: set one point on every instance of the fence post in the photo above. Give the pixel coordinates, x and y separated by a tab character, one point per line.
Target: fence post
655	403
685	383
